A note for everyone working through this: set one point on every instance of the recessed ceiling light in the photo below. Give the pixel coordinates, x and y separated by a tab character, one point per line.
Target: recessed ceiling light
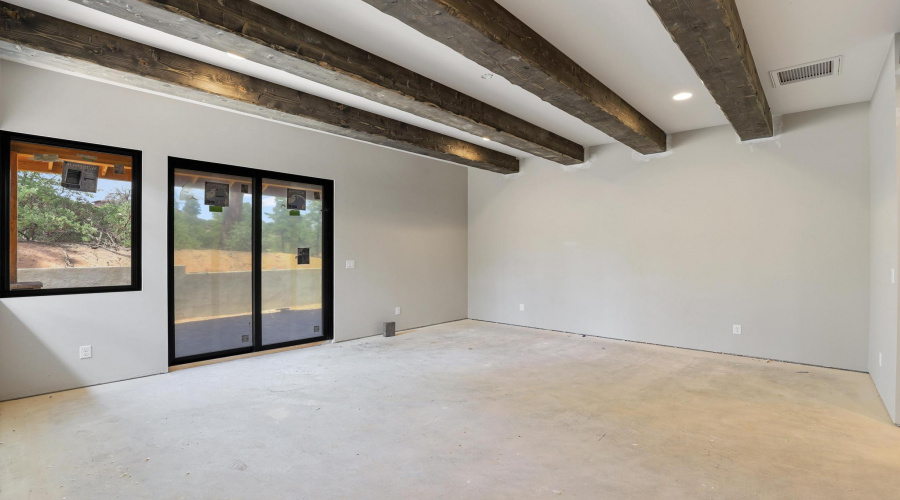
684	96
487	76
485	138
235	56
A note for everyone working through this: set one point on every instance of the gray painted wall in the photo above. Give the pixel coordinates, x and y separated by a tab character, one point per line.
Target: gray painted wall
676	250
885	231
401	217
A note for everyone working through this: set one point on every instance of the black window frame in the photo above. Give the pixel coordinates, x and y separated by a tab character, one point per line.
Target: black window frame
6	139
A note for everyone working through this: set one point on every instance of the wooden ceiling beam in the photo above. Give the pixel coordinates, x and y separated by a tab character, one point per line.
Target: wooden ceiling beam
711	36
264	36
485	32
31	37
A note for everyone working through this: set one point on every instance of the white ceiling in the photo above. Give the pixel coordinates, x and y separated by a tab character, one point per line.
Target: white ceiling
621	42
784	33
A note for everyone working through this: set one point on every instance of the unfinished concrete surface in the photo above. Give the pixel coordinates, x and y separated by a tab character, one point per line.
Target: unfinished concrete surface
460	410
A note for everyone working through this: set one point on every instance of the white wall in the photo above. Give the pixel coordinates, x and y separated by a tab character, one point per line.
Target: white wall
885	233
674	251
401	217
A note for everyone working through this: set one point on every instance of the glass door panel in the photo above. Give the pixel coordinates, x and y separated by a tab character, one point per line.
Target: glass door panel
292	251
212	254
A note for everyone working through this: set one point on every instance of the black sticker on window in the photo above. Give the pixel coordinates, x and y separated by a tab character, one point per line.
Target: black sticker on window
302	256
296	199
216	194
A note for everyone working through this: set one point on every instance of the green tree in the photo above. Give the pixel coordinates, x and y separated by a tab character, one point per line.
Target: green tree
112	219
47	212
284	233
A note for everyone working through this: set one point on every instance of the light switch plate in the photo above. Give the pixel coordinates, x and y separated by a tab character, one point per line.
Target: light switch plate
397	311
521	307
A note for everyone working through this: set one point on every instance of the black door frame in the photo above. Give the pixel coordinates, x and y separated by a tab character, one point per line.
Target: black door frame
327	255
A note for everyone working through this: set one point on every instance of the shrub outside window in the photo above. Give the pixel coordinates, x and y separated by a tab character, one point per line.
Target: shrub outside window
71	213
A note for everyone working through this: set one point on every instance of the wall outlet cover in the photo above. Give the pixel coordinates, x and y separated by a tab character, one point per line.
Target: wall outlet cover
85	352
351	264
521	307
736	329
397	311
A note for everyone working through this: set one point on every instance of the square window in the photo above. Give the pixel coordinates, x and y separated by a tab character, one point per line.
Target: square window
71	219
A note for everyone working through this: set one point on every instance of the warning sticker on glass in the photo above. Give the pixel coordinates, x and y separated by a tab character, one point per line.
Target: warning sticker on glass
216	194
302	256
80	177
296	199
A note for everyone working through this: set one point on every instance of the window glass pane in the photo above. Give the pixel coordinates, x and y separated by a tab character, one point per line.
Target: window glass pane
70	218
291	261
213	254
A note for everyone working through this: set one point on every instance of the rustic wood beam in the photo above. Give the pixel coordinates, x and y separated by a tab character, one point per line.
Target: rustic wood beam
711	35
488	34
32	37
267	37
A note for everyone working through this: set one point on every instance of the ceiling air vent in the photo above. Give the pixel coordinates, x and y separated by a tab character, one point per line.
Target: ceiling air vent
804	72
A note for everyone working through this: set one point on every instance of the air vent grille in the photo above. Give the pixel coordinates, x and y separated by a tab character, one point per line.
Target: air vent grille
811	71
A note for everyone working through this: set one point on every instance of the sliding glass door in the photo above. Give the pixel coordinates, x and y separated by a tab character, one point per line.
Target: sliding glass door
291	261
250	260
212	252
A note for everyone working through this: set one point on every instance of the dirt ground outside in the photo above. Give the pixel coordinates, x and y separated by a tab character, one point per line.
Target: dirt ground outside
48	256
33	255
220	261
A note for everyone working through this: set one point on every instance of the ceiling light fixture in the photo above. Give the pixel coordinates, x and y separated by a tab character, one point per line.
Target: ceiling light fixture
485	138
684	96
235	56
487	76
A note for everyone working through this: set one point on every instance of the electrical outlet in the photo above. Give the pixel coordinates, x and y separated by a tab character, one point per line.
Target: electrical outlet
85	352
397	311
736	329
351	264
521	307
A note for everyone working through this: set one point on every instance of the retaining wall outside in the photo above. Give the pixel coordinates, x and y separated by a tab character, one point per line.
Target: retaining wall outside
200	295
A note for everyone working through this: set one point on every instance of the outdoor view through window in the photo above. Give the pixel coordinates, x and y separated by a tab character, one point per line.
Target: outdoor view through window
213	253
70	218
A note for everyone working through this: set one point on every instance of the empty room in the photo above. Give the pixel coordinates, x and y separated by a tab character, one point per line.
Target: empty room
486	249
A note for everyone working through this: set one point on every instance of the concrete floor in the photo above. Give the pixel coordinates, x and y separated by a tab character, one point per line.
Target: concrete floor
461	410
